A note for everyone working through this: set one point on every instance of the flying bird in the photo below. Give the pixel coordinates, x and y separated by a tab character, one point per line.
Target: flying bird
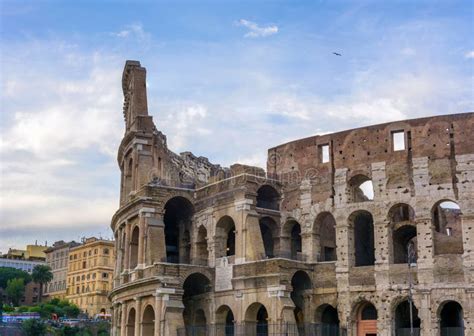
337	54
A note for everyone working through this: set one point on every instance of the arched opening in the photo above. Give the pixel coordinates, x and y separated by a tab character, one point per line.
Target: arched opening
363	226
328	319
201	246
296	244
256	320
178	223
268	229
451	321
134	241
268	198
300	283
225	237
131	322
404	320
148	321
325	230
367	320
196	288
447	224
404	235
361	189
405	245
225	321
128	179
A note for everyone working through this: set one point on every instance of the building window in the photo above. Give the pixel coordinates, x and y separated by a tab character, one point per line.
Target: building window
398	140
324	153
106	251
105	275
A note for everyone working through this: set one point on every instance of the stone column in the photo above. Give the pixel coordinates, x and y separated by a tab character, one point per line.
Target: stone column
424	312
253	247
242	207
382	239
126	263
138	316
158	313
425	250
123	321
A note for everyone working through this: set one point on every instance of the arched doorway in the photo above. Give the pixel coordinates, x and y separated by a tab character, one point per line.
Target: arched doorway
195	297
201	247
404	235
134	241
225	321
300	283
148	321
256	320
268	229
328	321
360	189
403	320
131	322
451	321
178	223
367	320
325	231
362	224
225	237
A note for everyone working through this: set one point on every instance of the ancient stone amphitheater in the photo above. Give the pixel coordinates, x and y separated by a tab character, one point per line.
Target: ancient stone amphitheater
368	231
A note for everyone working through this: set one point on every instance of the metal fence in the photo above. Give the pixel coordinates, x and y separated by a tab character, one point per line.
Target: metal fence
407	332
264	329
454	331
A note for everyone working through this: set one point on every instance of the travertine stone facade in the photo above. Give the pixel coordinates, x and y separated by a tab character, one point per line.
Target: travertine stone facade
333	235
89	276
57	257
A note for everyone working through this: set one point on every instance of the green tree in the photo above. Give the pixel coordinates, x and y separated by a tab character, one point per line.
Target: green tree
8	273
15	290
71	310
34	327
42	275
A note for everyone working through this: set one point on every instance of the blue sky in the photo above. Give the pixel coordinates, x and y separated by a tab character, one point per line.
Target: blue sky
226	80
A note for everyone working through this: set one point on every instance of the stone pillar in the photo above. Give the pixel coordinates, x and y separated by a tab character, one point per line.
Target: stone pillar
126	263
173	307
141	242
424	313
425	250
242	207
158	313
382	238
138	316
123	321
253	244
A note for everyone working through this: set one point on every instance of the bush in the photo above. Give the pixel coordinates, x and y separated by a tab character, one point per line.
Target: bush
34	327
8	308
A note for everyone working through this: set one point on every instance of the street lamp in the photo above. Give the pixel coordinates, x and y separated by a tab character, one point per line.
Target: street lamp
411	257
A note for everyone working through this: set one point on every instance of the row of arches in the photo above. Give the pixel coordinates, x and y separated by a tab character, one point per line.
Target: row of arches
256	320
287	242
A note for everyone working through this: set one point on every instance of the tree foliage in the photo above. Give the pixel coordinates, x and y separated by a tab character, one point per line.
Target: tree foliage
34	327
8	273
42	275
15	290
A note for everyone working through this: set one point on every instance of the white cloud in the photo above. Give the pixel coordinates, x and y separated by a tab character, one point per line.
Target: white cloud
254	30
135	30
469	54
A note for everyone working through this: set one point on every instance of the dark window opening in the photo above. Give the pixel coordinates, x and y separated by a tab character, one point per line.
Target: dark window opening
134	247
361	189
325	228
268	198
405	245
451	319
178	220
447	222
368	312
296	244
402	318
364	239
267	229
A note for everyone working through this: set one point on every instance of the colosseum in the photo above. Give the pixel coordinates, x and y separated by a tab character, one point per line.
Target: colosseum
368	231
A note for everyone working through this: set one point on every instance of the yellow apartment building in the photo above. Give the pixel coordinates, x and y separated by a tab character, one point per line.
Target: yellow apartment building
89	277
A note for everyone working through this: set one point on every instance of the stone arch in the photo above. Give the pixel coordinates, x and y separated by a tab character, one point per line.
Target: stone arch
360	189
446	218
361	225
148	321
365	315
327	319
256	320
177	217
134	243
202	253
225	321
292	245
403	233
196	289
269	232
131	319
268	198
401	317
225	237
300	284
450	314
325	230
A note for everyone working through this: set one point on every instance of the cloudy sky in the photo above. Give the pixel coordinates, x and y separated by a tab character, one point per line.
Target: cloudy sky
226	80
